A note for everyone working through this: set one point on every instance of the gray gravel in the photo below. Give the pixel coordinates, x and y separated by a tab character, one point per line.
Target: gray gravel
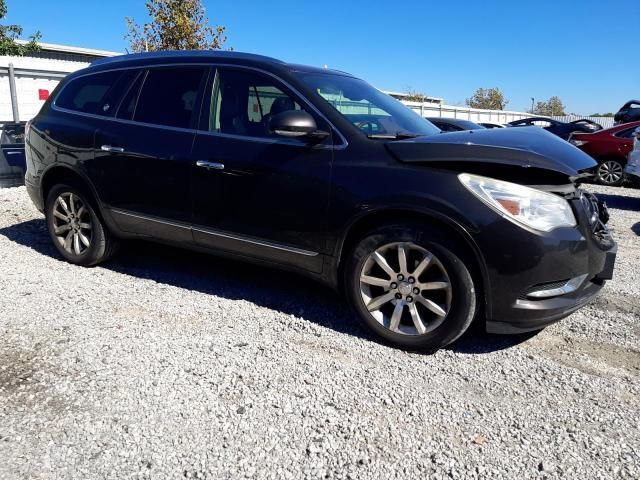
165	364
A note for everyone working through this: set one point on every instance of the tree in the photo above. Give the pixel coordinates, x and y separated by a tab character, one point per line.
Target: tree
550	108
9	34
414	96
488	99
175	25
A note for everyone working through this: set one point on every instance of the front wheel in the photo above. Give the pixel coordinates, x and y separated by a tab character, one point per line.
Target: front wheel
610	172
76	230
409	288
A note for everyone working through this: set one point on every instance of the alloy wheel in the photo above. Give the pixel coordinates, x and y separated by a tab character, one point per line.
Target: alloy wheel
72	225
405	288
610	172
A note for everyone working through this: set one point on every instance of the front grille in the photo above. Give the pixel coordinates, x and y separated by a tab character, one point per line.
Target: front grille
598	216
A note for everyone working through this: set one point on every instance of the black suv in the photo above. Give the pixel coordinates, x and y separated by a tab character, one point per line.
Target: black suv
629	112
316	171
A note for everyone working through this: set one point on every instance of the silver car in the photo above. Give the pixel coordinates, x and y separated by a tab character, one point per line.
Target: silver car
633	165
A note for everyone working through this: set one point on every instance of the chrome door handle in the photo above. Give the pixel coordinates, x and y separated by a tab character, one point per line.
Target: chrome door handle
109	148
210	165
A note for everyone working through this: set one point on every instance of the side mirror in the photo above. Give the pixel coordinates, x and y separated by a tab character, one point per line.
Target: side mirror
295	123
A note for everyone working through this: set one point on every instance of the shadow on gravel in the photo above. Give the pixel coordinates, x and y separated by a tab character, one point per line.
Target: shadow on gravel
476	341
278	290
635	228
620	202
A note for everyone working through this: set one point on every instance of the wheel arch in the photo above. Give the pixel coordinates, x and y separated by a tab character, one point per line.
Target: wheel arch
61	173
358	227
65	174
618	158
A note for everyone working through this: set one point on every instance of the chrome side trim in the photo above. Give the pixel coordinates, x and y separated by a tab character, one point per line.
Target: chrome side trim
150	219
218	233
262	243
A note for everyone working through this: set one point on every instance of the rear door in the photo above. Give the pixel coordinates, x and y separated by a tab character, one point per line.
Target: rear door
143	156
255	193
624	141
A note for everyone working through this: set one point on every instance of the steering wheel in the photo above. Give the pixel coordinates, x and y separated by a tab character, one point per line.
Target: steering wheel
366	125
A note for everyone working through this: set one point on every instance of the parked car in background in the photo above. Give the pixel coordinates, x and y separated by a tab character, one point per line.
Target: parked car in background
589	124
454	124
318	172
12	155
633	165
561	129
492	125
629	112
610	148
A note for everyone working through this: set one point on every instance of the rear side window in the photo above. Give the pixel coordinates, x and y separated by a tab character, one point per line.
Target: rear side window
128	104
628	133
169	96
86	94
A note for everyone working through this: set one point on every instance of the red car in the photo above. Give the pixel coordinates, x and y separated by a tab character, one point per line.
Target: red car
610	148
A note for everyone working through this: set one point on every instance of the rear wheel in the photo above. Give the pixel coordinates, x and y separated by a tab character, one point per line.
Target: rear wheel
410	288
610	172
76	230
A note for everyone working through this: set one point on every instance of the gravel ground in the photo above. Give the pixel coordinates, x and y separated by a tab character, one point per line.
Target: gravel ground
166	364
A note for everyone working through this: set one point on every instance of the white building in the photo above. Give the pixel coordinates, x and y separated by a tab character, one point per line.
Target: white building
37	74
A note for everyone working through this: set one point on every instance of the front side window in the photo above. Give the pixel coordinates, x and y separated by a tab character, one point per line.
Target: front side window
86	94
168	97
244	102
367	108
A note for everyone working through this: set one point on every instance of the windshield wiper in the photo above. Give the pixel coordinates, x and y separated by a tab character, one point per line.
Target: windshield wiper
393	136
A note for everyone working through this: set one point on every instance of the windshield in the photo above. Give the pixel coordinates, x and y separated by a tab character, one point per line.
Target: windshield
370	110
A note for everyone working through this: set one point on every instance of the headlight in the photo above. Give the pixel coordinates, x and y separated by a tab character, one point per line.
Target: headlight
527	206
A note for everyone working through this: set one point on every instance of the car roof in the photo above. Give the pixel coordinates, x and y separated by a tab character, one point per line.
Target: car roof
178	56
530	119
612	130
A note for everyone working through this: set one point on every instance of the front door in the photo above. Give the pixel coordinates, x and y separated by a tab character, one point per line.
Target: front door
255	193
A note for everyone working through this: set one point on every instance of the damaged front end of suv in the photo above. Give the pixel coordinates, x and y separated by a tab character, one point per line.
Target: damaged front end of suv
544	240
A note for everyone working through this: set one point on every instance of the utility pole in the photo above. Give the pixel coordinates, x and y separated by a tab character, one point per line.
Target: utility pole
532	100
14	93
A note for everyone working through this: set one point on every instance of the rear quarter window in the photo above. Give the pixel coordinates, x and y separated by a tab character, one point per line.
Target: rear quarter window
86	94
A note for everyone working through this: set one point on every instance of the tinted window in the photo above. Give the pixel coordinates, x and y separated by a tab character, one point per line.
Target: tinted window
109	103
243	103
446	127
86	94
128	104
168	96
628	133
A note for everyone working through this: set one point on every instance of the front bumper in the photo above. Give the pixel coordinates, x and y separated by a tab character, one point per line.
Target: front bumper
528	262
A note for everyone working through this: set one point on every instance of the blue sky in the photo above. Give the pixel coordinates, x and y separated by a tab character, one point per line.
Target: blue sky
583	51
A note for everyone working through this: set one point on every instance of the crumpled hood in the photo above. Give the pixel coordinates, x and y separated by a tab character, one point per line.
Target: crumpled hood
528	147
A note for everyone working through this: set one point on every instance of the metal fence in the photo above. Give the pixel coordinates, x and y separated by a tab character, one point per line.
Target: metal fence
492	116
606	122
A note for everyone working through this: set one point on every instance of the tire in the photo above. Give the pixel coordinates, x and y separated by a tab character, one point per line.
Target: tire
71	214
457	300
610	172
